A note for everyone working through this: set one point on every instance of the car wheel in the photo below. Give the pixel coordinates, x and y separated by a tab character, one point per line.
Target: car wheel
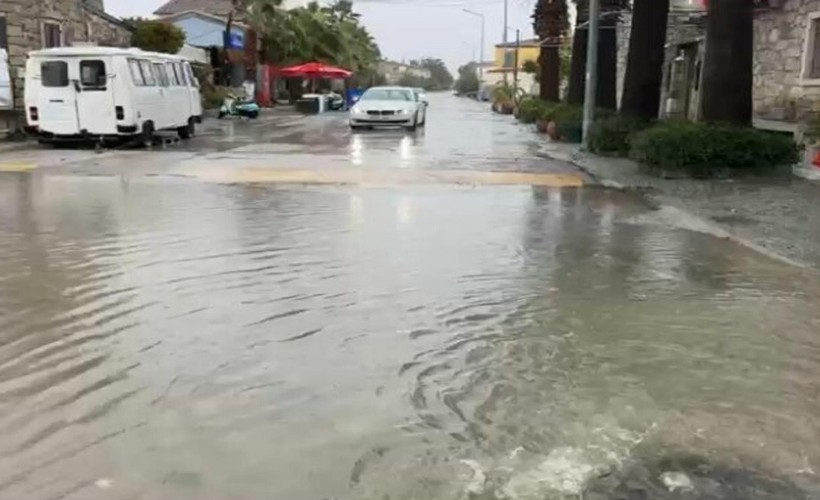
187	131
147	136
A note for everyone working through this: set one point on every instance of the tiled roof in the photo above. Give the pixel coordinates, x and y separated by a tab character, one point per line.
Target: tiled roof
219	8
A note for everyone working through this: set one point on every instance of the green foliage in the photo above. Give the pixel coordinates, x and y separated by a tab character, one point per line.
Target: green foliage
330	34
710	150
213	96
568	121
530	67
468	79
157	36
612	135
440	76
532	109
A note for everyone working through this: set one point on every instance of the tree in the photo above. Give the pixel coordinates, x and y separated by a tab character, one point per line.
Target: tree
441	77
551	22
330	34
157	36
467	79
644	68
607	54
727	66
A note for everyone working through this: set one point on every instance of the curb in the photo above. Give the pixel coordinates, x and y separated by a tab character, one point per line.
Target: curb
704	224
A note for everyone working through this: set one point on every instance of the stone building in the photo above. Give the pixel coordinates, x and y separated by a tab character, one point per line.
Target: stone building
786	89
27	25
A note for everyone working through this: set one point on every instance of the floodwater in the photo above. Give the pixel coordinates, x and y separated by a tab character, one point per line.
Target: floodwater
173	339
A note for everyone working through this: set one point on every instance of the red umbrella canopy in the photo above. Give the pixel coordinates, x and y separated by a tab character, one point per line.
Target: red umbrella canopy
315	70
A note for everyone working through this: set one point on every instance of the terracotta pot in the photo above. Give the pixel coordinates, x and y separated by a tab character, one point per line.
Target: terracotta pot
507	108
552	131
541	125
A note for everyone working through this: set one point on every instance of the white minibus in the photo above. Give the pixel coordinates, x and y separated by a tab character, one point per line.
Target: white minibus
106	92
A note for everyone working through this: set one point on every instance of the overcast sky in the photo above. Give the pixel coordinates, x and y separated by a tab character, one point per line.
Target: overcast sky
410	29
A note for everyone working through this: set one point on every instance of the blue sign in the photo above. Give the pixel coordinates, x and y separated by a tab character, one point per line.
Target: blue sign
234	40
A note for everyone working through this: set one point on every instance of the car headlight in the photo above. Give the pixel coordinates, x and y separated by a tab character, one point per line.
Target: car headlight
404	111
357	111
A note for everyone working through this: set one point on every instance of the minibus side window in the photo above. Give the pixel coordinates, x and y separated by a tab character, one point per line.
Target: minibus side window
161	73
148	73
136	74
93	75
54	74
173	74
180	69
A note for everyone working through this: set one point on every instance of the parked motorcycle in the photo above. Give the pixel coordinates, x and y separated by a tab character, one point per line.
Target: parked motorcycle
232	106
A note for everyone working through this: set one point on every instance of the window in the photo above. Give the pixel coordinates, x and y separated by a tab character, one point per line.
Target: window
92	75
161	74
4	36
136	73
180	69
811	50
52	35
191	77
509	58
148	73
54	74
814	63
173	76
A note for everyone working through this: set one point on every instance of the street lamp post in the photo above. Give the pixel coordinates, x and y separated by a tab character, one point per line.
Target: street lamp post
591	88
481	49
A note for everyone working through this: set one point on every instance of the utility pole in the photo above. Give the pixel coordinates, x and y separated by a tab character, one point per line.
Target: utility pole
481	49
592	68
504	39
515	61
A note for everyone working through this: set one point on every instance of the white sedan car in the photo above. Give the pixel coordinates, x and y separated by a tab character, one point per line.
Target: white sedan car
388	107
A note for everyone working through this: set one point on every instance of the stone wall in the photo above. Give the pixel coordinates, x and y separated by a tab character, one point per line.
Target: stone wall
25	19
780	37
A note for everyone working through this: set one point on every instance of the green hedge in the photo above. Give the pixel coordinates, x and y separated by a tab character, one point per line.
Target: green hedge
569	120
612	135
532	108
705	150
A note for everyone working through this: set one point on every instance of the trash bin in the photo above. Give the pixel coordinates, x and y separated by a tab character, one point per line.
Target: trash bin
353	96
309	106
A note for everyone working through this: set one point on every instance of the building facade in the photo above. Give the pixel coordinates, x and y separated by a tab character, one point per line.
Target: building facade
786	88
504	67
27	25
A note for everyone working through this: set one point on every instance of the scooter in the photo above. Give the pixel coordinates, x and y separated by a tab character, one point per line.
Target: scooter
232	106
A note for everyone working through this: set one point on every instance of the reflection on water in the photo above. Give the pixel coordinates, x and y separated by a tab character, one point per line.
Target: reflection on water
181	340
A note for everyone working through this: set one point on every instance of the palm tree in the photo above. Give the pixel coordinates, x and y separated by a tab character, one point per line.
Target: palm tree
607	53
550	21
727	66
644	69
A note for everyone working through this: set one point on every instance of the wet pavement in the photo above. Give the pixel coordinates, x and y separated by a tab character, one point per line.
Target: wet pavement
189	323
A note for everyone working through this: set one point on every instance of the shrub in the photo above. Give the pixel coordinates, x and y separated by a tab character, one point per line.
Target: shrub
706	150
212	96
612	135
530	109
158	36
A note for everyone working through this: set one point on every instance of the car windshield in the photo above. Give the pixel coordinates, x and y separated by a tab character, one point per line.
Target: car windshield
387	95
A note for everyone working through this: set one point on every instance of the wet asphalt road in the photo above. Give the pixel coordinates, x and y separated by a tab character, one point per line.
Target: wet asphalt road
390	323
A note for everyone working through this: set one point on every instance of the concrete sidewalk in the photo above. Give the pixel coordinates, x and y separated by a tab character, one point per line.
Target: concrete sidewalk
779	215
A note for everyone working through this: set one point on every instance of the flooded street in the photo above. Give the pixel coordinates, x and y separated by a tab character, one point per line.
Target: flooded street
396	323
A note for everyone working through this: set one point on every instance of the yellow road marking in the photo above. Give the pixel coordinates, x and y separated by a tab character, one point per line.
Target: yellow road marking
17	167
383	177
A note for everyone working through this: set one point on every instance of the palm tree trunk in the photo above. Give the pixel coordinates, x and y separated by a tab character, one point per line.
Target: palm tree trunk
606	95
727	67
550	81
644	68
577	72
